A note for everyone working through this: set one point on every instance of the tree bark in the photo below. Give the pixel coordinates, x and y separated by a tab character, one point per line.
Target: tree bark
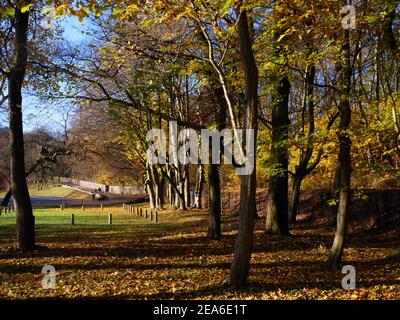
23	207
214	206
160	186
301	170
277	216
295	198
186	186
247	209
344	158
152	198
198	194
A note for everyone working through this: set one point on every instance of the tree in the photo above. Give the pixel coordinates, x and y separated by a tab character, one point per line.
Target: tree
247	210
343	166
277	216
15	78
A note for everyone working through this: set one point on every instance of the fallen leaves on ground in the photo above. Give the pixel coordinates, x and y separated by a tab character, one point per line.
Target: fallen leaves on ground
135	259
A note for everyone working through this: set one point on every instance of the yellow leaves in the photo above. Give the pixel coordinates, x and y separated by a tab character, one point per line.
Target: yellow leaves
61	10
26	7
7	11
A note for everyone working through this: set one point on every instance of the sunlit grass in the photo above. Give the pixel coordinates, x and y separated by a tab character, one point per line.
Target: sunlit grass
55	191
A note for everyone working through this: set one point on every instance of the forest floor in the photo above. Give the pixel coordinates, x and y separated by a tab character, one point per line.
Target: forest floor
136	259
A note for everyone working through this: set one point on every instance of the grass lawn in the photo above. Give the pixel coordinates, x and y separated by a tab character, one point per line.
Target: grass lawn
136	259
56	191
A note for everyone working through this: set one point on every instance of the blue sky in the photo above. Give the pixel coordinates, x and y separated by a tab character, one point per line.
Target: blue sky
38	114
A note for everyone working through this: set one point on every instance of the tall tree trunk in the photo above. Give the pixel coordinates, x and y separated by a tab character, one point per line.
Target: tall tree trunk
344	158
247	209
277	216
214	206
23	207
214	181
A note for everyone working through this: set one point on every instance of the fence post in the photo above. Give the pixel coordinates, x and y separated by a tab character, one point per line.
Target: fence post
109	218
72	219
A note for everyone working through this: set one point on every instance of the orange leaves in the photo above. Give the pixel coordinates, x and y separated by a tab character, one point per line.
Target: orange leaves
147	261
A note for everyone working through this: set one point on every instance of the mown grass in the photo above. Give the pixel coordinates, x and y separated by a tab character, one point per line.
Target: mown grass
136	259
56	191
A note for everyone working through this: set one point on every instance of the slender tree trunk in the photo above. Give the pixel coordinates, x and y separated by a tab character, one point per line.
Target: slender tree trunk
199	187
187	187
180	197
344	158
160	193
214	181
171	195
150	192
295	198
302	170
247	209
25	219
277	216
214	206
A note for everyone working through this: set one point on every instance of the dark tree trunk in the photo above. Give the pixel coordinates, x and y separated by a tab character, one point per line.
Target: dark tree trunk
247	209
6	199
302	169
25	219
180	196
335	256
295	198
214	183
214	206
344	158
277	215
160	193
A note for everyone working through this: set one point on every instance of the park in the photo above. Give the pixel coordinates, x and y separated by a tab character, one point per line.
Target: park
199	150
